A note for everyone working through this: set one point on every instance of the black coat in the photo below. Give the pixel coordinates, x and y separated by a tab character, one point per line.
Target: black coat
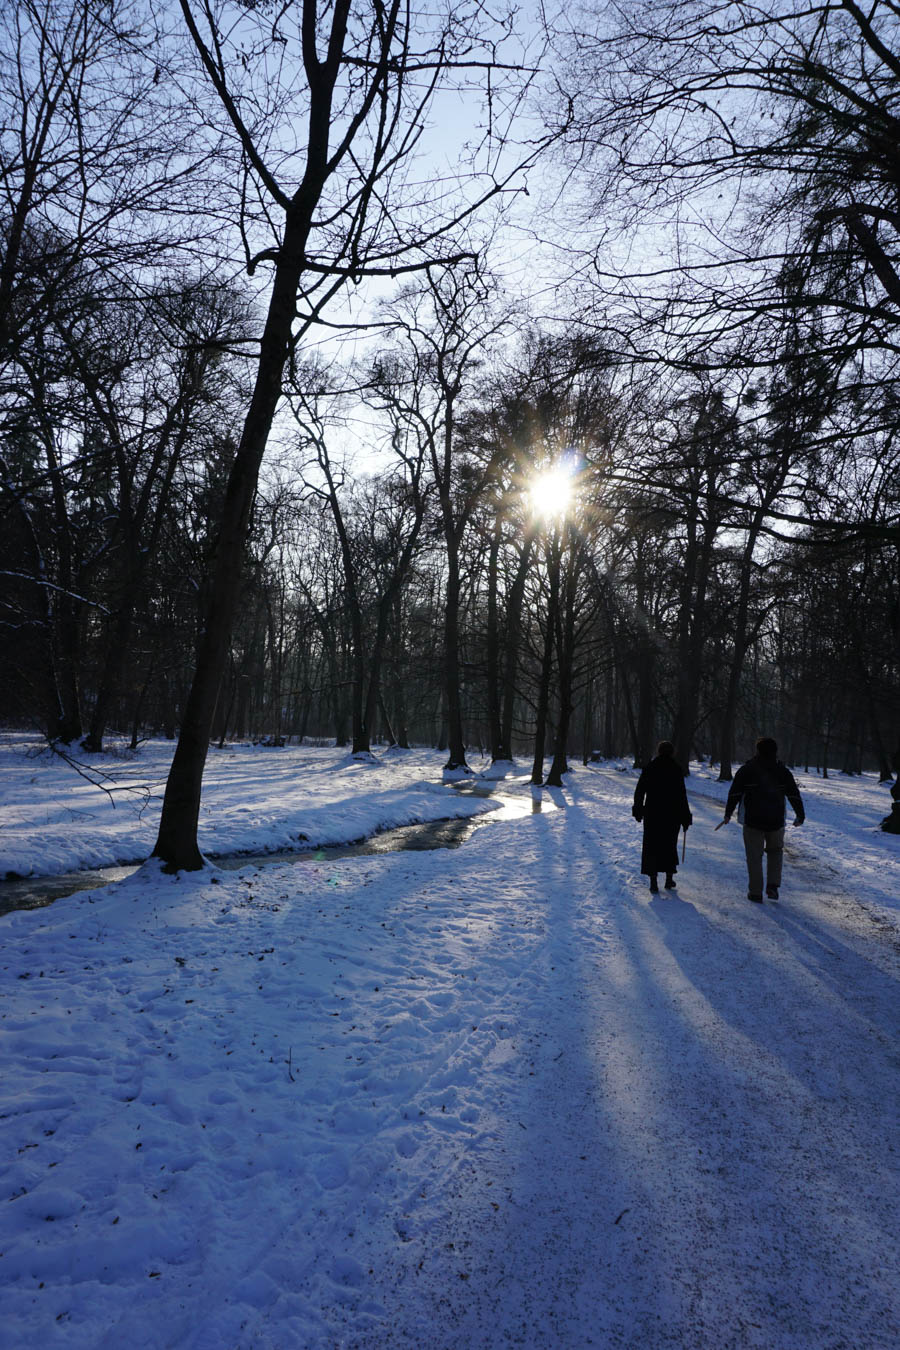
660	801
760	786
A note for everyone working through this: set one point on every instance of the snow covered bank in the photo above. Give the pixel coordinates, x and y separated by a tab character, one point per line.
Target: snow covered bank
55	819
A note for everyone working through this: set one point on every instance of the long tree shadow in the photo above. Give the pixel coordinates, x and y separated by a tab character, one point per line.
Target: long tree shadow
739	1099
661	1161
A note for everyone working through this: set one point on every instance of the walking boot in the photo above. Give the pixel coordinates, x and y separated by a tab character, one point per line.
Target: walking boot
772	892
670	882
757	899
654	884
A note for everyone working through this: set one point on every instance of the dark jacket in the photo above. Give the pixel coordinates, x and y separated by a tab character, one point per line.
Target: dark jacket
660	801
761	786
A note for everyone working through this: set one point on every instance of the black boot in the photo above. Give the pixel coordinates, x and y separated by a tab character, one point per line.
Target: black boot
654	885
670	882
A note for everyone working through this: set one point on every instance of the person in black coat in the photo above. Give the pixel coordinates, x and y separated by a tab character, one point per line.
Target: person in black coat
760	787
660	801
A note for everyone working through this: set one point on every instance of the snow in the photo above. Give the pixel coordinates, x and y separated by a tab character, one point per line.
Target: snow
54	818
496	1095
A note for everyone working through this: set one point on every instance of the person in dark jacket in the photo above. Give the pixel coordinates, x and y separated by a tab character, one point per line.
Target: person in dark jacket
761	786
660	801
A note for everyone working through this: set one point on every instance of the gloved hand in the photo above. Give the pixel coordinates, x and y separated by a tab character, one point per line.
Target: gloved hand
637	813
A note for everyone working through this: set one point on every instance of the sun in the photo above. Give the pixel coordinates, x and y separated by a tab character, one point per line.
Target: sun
551	492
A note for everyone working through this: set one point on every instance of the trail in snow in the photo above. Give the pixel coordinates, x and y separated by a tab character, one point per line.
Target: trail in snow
694	1124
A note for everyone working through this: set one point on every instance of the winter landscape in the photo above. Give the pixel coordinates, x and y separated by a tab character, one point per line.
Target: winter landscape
469	1097
413	418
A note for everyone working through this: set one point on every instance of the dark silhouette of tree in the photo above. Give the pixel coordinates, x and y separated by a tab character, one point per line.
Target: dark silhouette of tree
324	152
377	529
446	325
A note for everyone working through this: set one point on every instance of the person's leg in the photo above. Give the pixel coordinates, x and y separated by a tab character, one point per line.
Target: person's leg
654	883
754	843
774	856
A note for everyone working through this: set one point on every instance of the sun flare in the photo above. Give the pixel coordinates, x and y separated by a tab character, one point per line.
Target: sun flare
551	493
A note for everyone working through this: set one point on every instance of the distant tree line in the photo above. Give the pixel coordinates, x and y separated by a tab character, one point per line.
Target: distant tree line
675	596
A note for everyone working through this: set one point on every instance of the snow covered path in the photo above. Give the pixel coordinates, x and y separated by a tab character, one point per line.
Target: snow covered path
478	1098
695	1121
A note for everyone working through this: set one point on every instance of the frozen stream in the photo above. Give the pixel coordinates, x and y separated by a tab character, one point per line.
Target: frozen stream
35	892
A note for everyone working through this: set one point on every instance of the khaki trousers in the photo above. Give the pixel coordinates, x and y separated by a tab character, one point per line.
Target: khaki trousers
757	842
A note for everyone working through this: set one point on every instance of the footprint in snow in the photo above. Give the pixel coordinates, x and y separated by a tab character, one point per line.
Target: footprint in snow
332	1172
407	1145
347	1271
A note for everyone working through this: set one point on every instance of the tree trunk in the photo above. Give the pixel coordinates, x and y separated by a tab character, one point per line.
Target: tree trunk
139	709
168	706
692	622
629	715
64	611
455	743
495	730
543	703
386	605
560	762
565	645
885	774
543	710
609	698
442	732
110	681
645	715
48	700
176	844
401	716
587	726
512	645
741	643
388	728
226	708
373	696
66	647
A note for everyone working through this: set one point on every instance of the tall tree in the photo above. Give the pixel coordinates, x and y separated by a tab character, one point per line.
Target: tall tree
150	391
446	325
781	121
88	208
378	546
326	104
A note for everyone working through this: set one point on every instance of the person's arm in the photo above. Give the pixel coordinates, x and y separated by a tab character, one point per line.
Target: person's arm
792	792
640	792
735	792
687	818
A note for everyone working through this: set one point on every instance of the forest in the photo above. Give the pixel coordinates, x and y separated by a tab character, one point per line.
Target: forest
459	377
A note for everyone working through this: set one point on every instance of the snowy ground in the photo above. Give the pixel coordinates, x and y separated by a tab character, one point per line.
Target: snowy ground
54	817
494	1096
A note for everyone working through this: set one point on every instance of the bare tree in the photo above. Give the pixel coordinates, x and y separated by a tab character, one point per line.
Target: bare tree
88	209
326	104
87	145
765	140
447	325
377	528
148	395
